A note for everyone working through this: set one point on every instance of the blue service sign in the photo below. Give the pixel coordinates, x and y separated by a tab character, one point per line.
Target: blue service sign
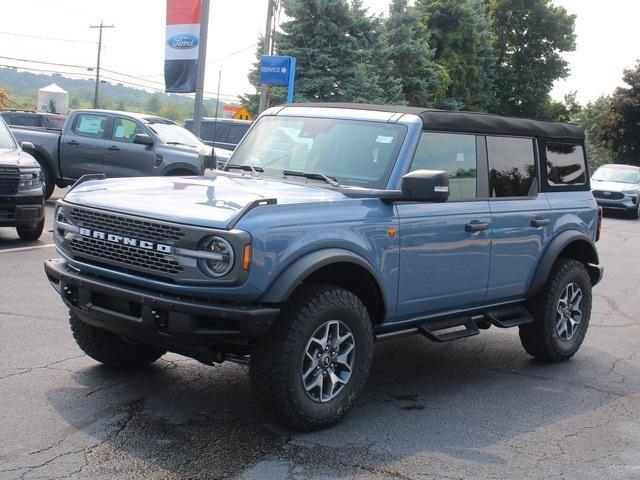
275	69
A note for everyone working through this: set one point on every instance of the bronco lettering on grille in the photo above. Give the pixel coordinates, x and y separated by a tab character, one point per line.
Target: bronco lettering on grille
128	241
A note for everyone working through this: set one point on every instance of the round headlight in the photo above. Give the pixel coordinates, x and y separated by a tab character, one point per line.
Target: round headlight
220	257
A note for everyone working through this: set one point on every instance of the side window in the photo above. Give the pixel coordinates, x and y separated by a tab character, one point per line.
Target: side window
124	130
90	125
454	153
565	165
236	132
512	167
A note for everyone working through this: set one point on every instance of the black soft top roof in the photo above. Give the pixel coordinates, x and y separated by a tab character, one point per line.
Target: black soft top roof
471	122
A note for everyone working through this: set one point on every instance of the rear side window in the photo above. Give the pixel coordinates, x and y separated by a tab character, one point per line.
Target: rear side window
455	153
512	167
565	165
90	125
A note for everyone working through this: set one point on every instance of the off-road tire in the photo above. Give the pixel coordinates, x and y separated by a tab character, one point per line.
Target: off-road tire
540	338
30	232
276	362
109	349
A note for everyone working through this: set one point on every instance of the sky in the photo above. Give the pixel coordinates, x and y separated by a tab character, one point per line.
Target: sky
57	31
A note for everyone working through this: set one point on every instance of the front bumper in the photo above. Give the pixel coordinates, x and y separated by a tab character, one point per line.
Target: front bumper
628	203
186	326
21	210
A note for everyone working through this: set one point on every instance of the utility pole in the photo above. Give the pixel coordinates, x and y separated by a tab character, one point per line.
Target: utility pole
266	50
101	26
202	63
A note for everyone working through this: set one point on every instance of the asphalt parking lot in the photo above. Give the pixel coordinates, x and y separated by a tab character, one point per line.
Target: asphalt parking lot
476	408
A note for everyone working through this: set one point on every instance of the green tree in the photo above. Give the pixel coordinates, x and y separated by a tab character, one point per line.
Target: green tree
4	99
121	106
590	118
171	111
620	124
332	41
410	59
154	105
529	38
460	35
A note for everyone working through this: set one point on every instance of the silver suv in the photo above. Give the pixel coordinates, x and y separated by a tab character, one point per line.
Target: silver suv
617	187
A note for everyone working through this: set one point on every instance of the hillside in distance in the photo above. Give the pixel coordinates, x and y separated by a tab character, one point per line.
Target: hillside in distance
22	88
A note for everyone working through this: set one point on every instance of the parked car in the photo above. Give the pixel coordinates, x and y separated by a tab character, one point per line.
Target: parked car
21	197
116	144
333	227
221	132
617	187
31	118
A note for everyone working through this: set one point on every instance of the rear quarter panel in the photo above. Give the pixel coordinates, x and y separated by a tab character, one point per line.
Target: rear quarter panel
574	211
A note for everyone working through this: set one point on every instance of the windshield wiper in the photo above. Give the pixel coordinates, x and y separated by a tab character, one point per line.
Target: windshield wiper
313	176
246	168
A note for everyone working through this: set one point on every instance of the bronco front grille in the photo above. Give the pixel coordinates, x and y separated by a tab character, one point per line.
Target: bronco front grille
608	195
124	255
131	227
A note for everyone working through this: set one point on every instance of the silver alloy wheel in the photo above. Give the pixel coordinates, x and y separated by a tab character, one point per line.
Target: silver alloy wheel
328	361
569	312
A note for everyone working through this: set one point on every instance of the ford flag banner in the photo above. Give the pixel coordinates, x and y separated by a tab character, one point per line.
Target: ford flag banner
181	47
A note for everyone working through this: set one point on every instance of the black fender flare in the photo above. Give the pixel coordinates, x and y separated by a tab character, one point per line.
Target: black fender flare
588	254
40	153
292	276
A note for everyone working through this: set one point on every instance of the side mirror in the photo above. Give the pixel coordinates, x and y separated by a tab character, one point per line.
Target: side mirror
426	186
27	147
143	139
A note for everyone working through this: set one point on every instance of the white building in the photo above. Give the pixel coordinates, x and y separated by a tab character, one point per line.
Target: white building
52	97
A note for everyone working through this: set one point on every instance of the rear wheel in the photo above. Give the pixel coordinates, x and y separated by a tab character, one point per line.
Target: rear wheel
30	232
110	349
310	368
561	313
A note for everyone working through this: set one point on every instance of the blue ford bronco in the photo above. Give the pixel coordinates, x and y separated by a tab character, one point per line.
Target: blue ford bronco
332	227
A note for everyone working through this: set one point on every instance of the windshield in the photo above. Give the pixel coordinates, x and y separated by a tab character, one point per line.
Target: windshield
6	140
354	152
175	134
615	174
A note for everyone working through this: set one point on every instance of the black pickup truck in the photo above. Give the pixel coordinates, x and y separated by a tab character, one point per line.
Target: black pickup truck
117	144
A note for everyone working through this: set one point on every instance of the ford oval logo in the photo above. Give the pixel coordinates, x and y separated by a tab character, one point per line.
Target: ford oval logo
183	41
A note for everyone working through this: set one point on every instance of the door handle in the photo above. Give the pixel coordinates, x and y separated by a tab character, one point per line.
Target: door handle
540	222
476	227
73	142
113	148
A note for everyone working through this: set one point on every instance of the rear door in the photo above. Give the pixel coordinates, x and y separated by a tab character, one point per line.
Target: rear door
520	215
445	247
83	147
124	158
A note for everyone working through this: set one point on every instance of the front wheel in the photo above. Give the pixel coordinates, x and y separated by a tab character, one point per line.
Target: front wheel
314	362
30	232
561	313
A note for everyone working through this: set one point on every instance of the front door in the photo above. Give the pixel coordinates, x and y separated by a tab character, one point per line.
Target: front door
124	158
445	247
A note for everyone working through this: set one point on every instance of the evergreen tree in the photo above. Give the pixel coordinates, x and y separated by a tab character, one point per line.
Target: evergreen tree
590	117
460	35
410	60
529	37
620	124
333	42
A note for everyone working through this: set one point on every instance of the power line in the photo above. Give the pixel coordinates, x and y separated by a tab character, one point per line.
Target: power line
17	67
24	35
46	63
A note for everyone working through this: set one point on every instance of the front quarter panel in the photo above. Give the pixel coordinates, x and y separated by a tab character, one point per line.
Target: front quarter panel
283	234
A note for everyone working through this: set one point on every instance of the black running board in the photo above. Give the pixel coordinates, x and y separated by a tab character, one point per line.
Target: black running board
449	329
509	317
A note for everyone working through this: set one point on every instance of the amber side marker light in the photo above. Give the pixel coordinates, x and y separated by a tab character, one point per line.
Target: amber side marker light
246	257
